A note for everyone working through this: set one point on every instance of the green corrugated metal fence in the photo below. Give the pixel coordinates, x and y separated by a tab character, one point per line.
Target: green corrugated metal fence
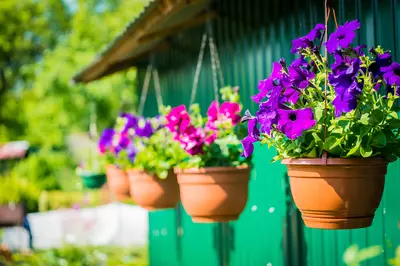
250	35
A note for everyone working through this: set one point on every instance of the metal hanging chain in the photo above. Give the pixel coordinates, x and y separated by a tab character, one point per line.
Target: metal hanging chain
218	64
214	70
145	89
157	87
198	69
327	12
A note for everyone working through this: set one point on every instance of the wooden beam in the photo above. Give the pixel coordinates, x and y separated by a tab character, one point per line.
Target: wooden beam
178	28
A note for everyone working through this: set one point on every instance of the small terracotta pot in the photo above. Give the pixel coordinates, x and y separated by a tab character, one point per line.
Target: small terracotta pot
151	192
214	194
118	182
335	193
11	215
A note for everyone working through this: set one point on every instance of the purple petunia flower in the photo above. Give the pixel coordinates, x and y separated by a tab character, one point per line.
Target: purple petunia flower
381	64
308	40
106	140
343	36
347	88
266	117
271	85
131	151
346	99
290	95
293	123
253	136
130	121
122	142
392	74
144	128
300	73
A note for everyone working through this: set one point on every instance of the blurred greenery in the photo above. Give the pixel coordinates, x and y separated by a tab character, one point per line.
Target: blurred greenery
82	256
42	45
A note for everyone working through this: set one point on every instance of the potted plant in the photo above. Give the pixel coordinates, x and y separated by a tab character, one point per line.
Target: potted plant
334	124
92	173
213	179
117	148
153	182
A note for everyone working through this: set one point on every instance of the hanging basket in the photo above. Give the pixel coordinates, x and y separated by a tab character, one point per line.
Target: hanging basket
335	193
214	194
93	181
153	193
118	182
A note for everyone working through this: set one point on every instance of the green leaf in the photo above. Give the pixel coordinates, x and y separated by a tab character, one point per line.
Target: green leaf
379	139
394	123
369	253
350	255
333	145
355	151
366	151
364	119
376	117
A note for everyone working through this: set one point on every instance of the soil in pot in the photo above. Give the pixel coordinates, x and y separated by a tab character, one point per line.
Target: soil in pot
214	194
337	193
153	193
118	182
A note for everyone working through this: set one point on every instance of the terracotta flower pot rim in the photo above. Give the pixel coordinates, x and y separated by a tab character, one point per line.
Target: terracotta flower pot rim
213	169
335	161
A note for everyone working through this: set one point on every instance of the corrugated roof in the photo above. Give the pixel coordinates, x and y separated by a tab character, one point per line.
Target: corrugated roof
144	35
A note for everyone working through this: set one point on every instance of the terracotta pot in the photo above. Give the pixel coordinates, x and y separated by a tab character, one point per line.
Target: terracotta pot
11	215
214	194
337	193
117	180
153	193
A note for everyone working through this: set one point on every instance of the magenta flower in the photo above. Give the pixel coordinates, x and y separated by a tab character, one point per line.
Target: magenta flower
293	123
231	111
211	137
178	119
343	36
192	140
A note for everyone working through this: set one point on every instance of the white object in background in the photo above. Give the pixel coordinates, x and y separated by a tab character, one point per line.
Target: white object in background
112	224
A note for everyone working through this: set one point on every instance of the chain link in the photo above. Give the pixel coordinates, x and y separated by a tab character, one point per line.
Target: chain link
214	69
157	87
145	88
198	69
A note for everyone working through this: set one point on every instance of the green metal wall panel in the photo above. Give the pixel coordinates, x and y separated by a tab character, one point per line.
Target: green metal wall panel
250	35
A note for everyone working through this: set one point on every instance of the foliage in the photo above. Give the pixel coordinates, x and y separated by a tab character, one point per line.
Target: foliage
396	260
357	119
54	200
82	256
42	44
28	29
353	256
17	190
160	153
211	141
